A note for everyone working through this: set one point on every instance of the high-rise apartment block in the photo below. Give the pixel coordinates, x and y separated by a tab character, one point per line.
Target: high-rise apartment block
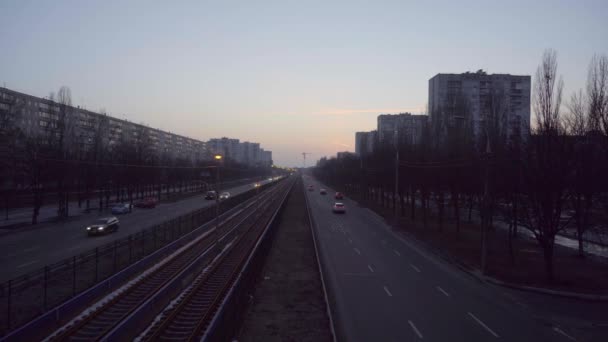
400	128
482	96
364	142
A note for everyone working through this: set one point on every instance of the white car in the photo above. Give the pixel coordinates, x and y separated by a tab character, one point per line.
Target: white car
339	208
224	195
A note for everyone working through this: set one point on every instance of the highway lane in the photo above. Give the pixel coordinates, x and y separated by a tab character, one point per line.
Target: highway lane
32	249
387	289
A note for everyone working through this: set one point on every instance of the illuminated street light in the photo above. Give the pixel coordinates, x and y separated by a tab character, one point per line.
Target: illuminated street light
218	158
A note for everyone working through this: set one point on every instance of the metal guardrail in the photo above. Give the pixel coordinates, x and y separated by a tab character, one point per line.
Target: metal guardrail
315	238
222	325
35	293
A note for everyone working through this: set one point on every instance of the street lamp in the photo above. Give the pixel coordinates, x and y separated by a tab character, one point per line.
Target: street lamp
218	158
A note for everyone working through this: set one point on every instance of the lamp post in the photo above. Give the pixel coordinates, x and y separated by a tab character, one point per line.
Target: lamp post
218	159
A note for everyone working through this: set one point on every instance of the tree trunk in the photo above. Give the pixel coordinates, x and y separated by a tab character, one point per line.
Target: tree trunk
470	208
455	199
441	207
412	204
548	256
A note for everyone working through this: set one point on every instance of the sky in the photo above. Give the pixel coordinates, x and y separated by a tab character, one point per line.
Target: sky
295	76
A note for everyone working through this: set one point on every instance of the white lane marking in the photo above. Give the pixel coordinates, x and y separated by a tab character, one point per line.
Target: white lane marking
442	291
31	249
483	325
370	268
397	252
350	240
357	250
560	331
388	292
28	263
11	255
415	329
415	268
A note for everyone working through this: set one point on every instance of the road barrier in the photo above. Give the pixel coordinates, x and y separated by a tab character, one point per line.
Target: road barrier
97	271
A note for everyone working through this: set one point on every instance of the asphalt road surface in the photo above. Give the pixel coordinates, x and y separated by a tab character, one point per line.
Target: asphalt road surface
386	288
32	249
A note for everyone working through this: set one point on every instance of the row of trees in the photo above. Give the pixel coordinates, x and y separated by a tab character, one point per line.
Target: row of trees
73	158
546	182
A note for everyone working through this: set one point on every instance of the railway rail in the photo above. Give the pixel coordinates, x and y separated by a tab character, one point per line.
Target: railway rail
98	321
191	313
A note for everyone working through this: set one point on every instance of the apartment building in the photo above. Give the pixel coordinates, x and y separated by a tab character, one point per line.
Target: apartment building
364	142
400	128
42	117
479	96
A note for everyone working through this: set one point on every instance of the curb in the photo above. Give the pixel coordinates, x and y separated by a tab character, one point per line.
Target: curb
486	279
328	308
474	272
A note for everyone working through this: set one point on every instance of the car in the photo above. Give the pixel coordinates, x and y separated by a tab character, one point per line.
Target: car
148	202
104	225
210	195
121	208
224	196
339	195
311	188
323	192
256	185
339	208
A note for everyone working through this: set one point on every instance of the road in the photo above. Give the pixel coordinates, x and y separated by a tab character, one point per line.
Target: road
386	288
48	243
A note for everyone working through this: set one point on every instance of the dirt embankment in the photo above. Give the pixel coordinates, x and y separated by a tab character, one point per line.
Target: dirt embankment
288	302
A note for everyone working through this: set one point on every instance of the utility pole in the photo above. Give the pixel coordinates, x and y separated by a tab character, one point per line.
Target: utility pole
485	223
396	193
218	159
304	154
396	172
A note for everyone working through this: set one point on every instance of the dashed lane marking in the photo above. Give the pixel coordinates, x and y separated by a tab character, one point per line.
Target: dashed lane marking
442	291
397	252
388	292
561	332
483	325
27	264
415	329
415	268
357	250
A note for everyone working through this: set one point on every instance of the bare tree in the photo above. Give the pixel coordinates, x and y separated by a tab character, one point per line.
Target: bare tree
10	111
597	92
63	145
547	162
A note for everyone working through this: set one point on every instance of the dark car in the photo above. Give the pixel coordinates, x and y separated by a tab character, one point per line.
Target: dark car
311	188
148	202
103	226
323	192
210	195
339	195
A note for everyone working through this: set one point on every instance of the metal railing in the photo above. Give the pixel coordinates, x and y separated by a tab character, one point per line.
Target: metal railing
32	294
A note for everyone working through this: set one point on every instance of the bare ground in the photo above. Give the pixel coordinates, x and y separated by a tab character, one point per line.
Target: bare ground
288	303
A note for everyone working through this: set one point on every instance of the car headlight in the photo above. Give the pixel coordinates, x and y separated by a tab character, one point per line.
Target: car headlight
100	228
88	228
